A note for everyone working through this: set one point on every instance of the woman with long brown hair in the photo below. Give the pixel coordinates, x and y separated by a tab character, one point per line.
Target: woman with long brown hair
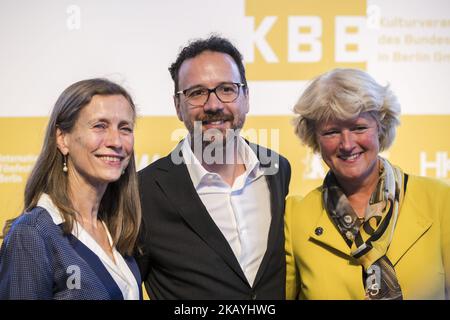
76	236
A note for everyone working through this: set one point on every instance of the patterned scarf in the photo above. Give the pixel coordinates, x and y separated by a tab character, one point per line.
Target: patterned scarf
370	239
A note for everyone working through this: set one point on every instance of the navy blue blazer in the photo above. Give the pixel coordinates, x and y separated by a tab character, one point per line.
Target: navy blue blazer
37	261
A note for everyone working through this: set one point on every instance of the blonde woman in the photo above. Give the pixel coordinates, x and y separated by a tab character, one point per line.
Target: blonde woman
371	231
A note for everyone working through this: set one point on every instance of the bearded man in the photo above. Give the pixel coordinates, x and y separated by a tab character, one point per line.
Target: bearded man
213	209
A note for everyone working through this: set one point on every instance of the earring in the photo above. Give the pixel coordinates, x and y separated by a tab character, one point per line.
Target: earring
65	164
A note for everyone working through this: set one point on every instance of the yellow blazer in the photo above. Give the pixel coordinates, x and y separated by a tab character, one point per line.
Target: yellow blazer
319	265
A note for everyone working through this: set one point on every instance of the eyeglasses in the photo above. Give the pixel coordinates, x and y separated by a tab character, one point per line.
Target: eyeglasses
225	92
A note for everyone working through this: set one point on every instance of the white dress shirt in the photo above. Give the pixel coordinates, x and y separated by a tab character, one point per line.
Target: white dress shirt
118	270
242	211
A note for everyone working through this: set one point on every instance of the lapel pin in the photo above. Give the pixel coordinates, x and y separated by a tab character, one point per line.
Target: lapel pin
318	231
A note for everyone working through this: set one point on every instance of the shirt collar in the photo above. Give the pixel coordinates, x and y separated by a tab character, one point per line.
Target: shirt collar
197	171
46	202
78	231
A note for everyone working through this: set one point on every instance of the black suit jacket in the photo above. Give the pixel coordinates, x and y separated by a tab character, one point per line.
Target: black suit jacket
185	255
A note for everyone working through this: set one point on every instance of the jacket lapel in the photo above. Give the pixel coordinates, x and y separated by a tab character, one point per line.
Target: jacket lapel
277	213
176	183
325	232
131	262
97	266
411	225
277	219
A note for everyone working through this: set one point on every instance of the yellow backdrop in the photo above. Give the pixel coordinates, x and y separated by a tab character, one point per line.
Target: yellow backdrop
422	147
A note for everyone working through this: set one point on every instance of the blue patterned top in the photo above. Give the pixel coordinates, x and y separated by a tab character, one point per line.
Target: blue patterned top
37	261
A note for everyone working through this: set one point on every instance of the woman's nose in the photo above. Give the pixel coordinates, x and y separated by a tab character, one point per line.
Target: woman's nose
113	138
347	140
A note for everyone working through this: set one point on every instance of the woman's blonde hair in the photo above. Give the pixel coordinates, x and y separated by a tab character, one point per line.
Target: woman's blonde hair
120	207
344	94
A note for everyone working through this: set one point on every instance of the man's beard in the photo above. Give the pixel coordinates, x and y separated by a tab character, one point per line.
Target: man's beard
219	138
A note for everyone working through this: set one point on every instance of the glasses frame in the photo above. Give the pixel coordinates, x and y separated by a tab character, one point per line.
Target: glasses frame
239	85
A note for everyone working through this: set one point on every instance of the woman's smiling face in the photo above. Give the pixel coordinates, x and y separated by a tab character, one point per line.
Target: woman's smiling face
350	147
101	142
